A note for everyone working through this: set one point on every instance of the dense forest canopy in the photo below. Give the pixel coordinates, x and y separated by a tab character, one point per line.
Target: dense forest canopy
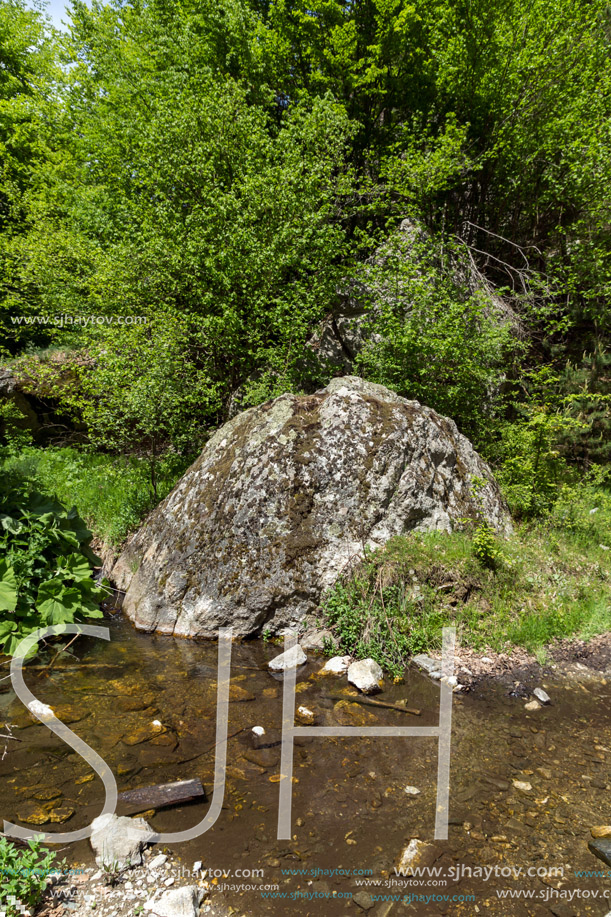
195	186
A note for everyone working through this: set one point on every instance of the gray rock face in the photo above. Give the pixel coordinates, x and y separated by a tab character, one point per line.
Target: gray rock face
366	675
117	840
284	496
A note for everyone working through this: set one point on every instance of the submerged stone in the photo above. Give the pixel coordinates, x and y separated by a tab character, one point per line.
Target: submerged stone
601	848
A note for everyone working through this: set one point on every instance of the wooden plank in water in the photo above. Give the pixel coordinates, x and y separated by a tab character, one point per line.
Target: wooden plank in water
163	795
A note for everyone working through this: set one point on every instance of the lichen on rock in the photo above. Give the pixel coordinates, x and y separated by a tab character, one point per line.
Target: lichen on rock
284	495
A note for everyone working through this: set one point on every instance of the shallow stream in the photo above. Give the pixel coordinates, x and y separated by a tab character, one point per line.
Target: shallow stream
351	815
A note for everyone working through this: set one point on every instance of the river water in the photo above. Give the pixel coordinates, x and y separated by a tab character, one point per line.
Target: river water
351	814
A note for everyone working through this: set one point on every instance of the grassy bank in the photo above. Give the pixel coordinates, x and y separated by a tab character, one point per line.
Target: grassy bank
112	494
551	579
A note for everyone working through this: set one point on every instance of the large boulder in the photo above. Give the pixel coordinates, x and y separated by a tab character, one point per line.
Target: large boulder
285	495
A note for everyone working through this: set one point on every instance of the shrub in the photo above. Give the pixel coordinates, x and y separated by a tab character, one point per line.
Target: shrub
23	873
45	567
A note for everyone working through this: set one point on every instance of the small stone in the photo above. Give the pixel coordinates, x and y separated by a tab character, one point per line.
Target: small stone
288	660
532	705
305	716
179	902
366	675
542	696
338	665
258	730
169	881
197	866
601	831
412	791
426	664
363	900
415	855
157	861
523	786
601	848
316	640
545	772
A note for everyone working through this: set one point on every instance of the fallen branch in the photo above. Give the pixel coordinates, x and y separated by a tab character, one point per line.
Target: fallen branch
369	702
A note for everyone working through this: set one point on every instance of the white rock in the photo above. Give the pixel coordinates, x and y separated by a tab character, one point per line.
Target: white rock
532	705
289	660
40	710
179	902
364	445
412	856
118	840
523	785
412	791
316	640
366	675
157	861
170	881
306	715
425	663
258	730
486	659
338	665
197	866
542	696
450	680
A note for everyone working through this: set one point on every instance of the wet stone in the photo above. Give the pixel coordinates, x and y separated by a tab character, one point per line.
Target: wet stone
601	848
363	900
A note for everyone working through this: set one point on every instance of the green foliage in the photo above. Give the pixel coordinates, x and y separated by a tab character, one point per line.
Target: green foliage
431	338
532	462
554	581
374	615
485	545
28	52
45	570
23	874
112	493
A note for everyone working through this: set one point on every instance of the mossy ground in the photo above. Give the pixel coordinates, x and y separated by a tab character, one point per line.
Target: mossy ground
550	579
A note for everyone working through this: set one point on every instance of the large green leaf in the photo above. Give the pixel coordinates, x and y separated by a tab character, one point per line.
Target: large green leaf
8	587
77	567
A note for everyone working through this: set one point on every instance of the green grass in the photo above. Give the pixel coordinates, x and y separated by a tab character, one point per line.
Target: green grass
551	579
112	494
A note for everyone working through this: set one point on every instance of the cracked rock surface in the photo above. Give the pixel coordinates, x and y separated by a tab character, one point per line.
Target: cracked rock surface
285	495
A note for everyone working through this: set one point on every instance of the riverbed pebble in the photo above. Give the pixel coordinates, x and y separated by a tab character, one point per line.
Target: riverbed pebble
290	659
366	675
542	696
337	665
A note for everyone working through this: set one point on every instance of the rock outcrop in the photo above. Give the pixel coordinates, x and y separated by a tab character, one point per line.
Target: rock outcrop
284	496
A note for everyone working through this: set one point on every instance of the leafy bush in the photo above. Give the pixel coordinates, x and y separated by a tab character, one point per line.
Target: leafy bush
23	873
111	493
432	338
45	570
485	545
375	614
554	582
